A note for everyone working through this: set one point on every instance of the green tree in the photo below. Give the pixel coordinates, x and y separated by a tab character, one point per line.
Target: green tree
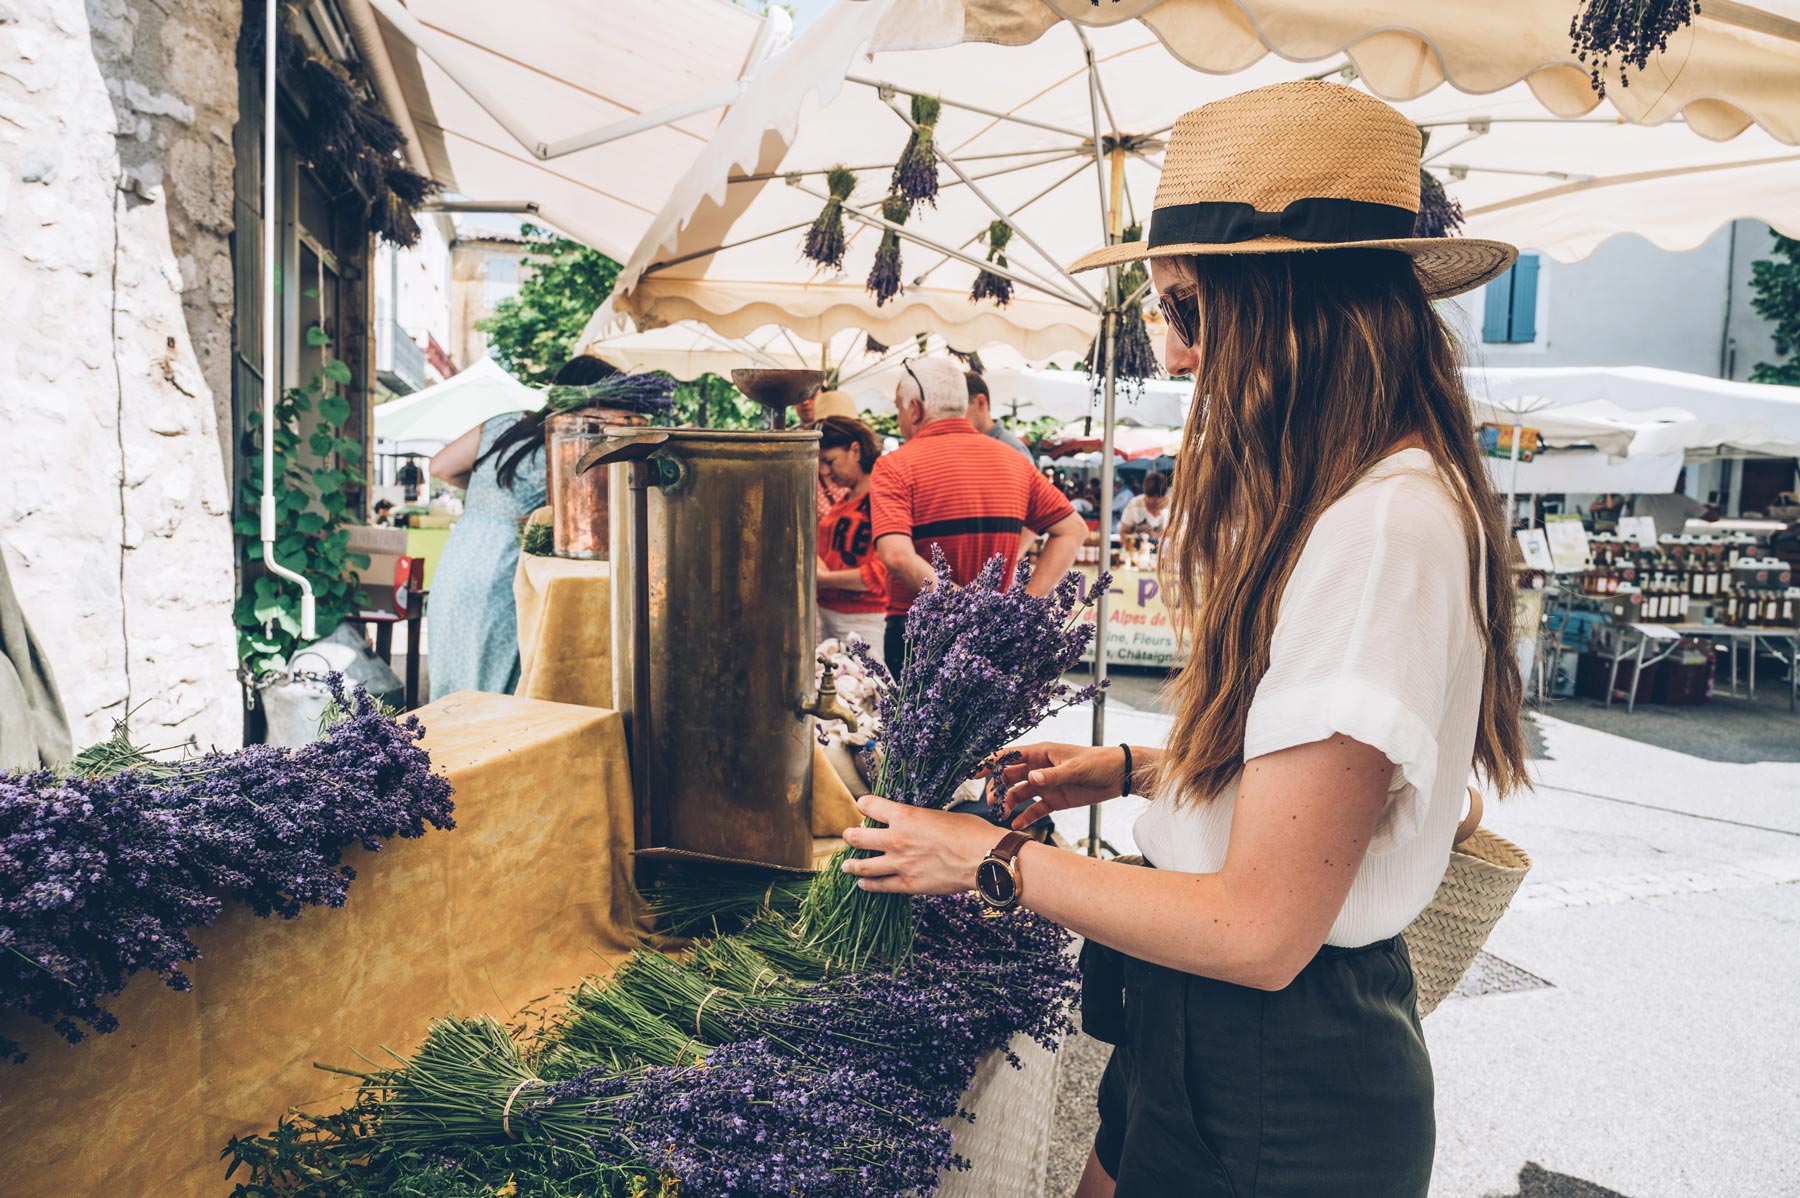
532	333
1776	282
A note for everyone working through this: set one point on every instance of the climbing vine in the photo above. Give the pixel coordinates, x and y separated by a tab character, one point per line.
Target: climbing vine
315	505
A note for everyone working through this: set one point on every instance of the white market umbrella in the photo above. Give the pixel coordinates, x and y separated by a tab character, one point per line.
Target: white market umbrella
1643	390
689	349
1734	66
583	115
1059	133
1559	427
446	411
1128	444
1585	471
1694	441
1068	394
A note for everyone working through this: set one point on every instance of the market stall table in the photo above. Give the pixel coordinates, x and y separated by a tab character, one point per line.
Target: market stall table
457	921
1632	643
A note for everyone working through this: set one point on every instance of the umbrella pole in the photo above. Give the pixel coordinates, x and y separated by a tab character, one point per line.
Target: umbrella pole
1110	324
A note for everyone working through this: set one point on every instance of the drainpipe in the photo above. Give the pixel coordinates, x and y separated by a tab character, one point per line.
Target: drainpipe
271	384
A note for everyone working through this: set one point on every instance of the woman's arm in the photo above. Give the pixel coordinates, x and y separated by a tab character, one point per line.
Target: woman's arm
1302	823
456	461
842	580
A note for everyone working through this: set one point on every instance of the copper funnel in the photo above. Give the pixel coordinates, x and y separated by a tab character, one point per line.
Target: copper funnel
778	390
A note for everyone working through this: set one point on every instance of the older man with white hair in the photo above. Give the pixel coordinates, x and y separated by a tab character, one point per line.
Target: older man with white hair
953	488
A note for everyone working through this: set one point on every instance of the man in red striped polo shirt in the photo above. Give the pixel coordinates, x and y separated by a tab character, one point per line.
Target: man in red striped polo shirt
960	490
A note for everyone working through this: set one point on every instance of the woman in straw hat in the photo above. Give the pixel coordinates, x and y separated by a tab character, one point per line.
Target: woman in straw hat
1340	567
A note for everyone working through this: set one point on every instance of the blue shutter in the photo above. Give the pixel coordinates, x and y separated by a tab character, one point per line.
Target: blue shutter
1523	324
1496	315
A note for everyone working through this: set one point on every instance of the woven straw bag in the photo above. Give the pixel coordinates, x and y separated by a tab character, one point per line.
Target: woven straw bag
1483	875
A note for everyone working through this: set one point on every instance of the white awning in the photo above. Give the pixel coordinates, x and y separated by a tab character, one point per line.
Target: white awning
446	411
1734	66
589	112
1017	130
1644	391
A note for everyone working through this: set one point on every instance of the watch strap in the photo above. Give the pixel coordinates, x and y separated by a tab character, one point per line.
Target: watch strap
1009	846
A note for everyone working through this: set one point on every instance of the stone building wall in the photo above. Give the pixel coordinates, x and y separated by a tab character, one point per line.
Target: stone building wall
115	355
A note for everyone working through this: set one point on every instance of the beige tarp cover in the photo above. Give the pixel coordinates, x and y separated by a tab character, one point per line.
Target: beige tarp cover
513	904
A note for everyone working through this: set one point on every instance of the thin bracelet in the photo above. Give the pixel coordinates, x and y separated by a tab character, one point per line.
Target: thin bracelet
1125	789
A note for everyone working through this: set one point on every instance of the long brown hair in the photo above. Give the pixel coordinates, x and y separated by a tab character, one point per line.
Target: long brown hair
1312	367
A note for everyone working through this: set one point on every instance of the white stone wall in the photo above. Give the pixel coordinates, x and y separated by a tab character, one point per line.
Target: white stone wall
115	309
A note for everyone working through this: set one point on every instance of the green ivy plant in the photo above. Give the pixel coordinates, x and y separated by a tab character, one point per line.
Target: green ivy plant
313	511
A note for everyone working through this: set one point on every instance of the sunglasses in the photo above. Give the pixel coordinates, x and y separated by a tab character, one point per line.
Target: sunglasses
907	366
1180	306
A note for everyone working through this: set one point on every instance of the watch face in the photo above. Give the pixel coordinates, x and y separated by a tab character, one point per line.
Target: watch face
996	883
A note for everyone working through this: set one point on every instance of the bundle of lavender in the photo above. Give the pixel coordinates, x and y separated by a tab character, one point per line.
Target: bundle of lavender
984	666
740	1070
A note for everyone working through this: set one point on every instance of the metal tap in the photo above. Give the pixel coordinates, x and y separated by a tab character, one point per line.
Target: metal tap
826	706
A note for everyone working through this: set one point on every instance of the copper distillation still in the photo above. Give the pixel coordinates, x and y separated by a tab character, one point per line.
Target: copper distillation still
713	632
579	507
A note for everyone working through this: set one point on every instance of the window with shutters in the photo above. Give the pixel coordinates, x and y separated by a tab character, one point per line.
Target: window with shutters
1510	315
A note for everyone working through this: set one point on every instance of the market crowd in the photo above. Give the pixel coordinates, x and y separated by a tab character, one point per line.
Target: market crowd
960	482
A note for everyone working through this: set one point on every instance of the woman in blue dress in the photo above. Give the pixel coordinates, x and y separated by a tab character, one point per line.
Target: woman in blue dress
473	618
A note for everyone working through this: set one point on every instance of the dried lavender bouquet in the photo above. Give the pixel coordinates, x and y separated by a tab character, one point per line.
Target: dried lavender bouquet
984	666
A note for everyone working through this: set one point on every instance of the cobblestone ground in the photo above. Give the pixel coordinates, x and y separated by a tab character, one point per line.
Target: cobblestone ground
1630	1032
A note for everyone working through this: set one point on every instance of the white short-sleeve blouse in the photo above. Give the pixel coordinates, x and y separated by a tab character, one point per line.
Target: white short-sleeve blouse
1375	639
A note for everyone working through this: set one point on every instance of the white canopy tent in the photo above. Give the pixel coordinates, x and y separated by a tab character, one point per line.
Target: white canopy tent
582	115
1057	131
439	414
1128	444
1069	394
1643	389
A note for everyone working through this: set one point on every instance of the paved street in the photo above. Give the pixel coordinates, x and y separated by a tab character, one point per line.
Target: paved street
1633	1029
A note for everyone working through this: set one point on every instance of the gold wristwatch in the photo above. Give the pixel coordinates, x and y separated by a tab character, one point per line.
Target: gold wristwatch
997	877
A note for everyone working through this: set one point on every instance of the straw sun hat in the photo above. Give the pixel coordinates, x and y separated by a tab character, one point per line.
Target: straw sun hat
1307	166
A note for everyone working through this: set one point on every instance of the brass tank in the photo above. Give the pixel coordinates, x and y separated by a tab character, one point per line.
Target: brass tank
721	529
578	502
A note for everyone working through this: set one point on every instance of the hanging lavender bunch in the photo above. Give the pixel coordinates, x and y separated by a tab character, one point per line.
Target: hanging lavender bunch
984	666
1439	214
1631	29
1134	358
915	175
825	237
989	285
651	393
884	276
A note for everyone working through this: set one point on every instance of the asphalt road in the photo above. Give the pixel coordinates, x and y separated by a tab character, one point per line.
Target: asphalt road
1634	1031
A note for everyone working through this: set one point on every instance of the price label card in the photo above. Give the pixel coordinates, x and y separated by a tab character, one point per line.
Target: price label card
1639	528
1536	548
1568	543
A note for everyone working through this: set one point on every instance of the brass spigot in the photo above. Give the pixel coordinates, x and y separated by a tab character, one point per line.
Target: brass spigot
826	706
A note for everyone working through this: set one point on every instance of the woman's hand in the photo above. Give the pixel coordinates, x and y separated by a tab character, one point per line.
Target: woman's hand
1058	778
920	851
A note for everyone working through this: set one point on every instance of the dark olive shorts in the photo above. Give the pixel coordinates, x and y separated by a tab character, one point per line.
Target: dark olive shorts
1320	1090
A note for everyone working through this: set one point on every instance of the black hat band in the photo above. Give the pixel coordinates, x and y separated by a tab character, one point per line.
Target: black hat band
1318	219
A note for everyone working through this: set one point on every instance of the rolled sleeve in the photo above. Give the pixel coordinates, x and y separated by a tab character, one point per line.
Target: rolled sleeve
1371	624
1045	506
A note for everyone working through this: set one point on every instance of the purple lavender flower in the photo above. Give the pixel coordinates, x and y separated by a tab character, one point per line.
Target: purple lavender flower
753	1121
984	667
101	878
